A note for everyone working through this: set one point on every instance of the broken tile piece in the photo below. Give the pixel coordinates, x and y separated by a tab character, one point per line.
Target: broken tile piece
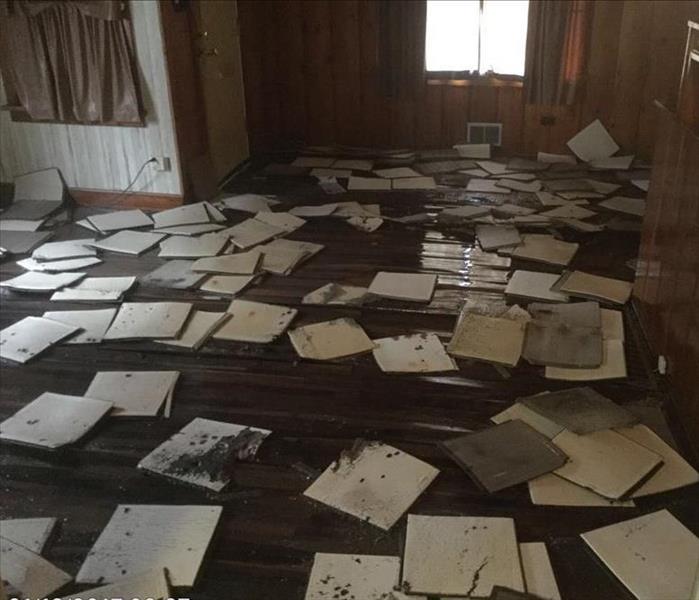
413	183
329	340
654	556
612	163
460	556
175	274
227	284
606	462
283	220
612	324
473	150
417	353
508	210
492	237
579	225
30	336
581	410
209	244
322	173
134	393
22	242
552	490
520	412
445	166
586	285
368	224
252	203
613	366
519	186
414	287
623	204
564	335
373	482
63	250
144	537
505	455
494	168
255	322
203	451
188	214
37	281
549	199
593	142
368	183
538	572
323	210
546	249
568	211
485	186
199	327
152	584
675	473
120	219
129	242
190	230
28	573
468	211
546	157
281	256
158	320
53	420
491	339
580	197
31	534
354	575
532	285
93	323
97	289
252	232
333	293
58	266
396	172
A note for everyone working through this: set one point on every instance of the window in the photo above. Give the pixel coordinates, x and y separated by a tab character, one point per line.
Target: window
476	37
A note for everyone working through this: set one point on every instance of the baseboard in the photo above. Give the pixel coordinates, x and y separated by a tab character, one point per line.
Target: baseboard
86	197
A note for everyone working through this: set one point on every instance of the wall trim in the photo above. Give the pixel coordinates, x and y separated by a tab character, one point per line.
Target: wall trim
114	199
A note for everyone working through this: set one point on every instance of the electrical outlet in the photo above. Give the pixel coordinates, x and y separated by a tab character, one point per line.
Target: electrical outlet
163	163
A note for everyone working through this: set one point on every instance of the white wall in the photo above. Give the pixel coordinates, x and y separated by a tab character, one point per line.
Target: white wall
105	158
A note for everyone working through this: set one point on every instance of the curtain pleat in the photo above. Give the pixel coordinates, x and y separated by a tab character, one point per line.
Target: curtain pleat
72	61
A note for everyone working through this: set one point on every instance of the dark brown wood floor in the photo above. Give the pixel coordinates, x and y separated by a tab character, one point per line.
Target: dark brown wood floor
265	542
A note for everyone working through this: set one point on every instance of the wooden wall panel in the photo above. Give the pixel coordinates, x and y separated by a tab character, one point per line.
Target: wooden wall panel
635	57
667	279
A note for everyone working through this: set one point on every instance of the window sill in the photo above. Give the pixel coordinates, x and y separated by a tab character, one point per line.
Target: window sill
18	114
466	80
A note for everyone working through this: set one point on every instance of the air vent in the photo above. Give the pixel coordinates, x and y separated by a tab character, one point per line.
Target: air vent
485	133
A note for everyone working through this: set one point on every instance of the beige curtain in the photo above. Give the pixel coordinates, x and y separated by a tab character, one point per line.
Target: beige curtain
71	61
557	42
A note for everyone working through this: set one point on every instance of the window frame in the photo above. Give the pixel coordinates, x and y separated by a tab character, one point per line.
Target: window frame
472	78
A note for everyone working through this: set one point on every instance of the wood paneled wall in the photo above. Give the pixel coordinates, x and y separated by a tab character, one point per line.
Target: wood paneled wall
667	278
311	75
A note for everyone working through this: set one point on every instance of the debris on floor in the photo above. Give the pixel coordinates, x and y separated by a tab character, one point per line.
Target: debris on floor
492	232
